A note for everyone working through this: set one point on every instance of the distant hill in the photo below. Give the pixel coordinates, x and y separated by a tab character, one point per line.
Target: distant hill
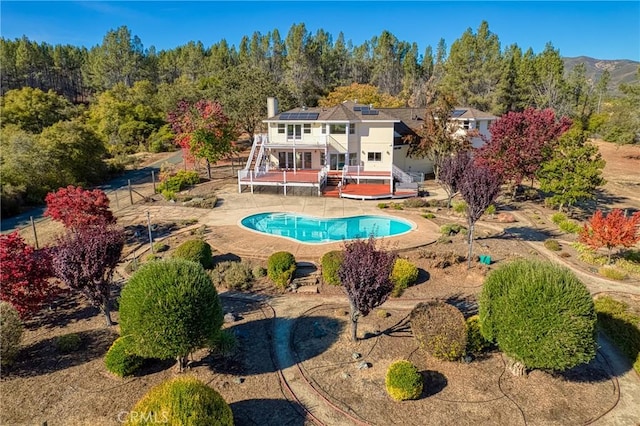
621	71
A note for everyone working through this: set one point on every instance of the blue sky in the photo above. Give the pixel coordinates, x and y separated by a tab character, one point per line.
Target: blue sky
604	30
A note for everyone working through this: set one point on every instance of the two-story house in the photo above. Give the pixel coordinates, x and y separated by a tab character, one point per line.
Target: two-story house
347	145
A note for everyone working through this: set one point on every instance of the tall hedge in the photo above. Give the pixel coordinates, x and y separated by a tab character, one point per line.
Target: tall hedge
169	308
181	401
539	314
281	266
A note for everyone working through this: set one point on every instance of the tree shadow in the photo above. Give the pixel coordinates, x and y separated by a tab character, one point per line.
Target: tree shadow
226	257
298	340
67	308
268	412
434	383
527	233
139	233
466	303
43	357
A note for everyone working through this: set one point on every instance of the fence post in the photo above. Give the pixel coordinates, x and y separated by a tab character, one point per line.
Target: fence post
149	227
130	191
35	234
153	179
117	200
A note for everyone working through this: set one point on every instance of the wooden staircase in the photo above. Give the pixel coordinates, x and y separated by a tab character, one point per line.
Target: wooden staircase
331	188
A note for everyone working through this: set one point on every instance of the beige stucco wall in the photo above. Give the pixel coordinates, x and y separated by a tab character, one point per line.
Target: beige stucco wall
376	137
407	164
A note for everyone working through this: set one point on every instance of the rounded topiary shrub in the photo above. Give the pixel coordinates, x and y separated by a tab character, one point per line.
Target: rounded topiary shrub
196	251
280	268
403	381
10	333
181	401
233	275
169	308
120	360
403	275
440	329
476	343
331	262
539	314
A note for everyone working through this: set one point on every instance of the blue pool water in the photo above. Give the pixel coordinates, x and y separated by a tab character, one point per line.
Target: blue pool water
310	229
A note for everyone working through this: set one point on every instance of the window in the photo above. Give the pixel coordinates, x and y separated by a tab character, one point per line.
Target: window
465	124
324	129
281	128
352	128
323	158
353	158
307	129
338	129
294	132
374	156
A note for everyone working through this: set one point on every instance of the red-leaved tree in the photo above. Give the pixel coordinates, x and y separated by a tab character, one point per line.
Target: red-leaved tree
203	130
611	231
26	274
78	208
365	274
452	169
86	260
479	188
520	142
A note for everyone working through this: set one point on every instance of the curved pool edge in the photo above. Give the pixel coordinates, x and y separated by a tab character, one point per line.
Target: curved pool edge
412	227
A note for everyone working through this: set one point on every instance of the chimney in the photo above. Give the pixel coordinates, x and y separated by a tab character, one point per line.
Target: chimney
272	107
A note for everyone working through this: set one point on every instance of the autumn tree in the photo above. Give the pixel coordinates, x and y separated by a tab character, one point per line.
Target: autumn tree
452	170
573	172
611	231
86	260
365	274
77	208
438	137
25	274
362	93
479	188
520	142
203	130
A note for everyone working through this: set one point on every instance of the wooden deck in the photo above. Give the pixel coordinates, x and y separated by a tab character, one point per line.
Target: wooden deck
366	191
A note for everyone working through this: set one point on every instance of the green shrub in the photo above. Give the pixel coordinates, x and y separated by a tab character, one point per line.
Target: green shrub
10	333
223	343
570	226
612	273
558	218
632	256
440	329
403	381
168	195
383	205
429	216
68	343
621	326
120	360
414	203
233	275
258	272
459	207
552	245
397	206
330	263
178	181
452	229
539	314
403	275
181	401
197	250
491	210
160	247
476	343
281	266
169	308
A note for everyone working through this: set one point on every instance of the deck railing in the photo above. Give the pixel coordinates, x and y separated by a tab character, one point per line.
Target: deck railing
401	175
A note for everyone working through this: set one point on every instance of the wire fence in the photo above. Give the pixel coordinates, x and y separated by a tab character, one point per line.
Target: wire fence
41	230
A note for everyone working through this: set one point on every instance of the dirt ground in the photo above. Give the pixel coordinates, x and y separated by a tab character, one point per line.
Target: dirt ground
76	389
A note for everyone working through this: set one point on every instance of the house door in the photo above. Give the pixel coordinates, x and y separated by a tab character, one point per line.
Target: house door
285	160
336	161
294	132
303	160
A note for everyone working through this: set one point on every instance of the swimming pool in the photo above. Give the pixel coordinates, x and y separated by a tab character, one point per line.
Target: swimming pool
310	229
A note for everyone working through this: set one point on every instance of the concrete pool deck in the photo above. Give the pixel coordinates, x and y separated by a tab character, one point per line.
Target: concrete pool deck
226	236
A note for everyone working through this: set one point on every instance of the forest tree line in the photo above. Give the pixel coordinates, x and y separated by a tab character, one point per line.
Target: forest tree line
65	109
